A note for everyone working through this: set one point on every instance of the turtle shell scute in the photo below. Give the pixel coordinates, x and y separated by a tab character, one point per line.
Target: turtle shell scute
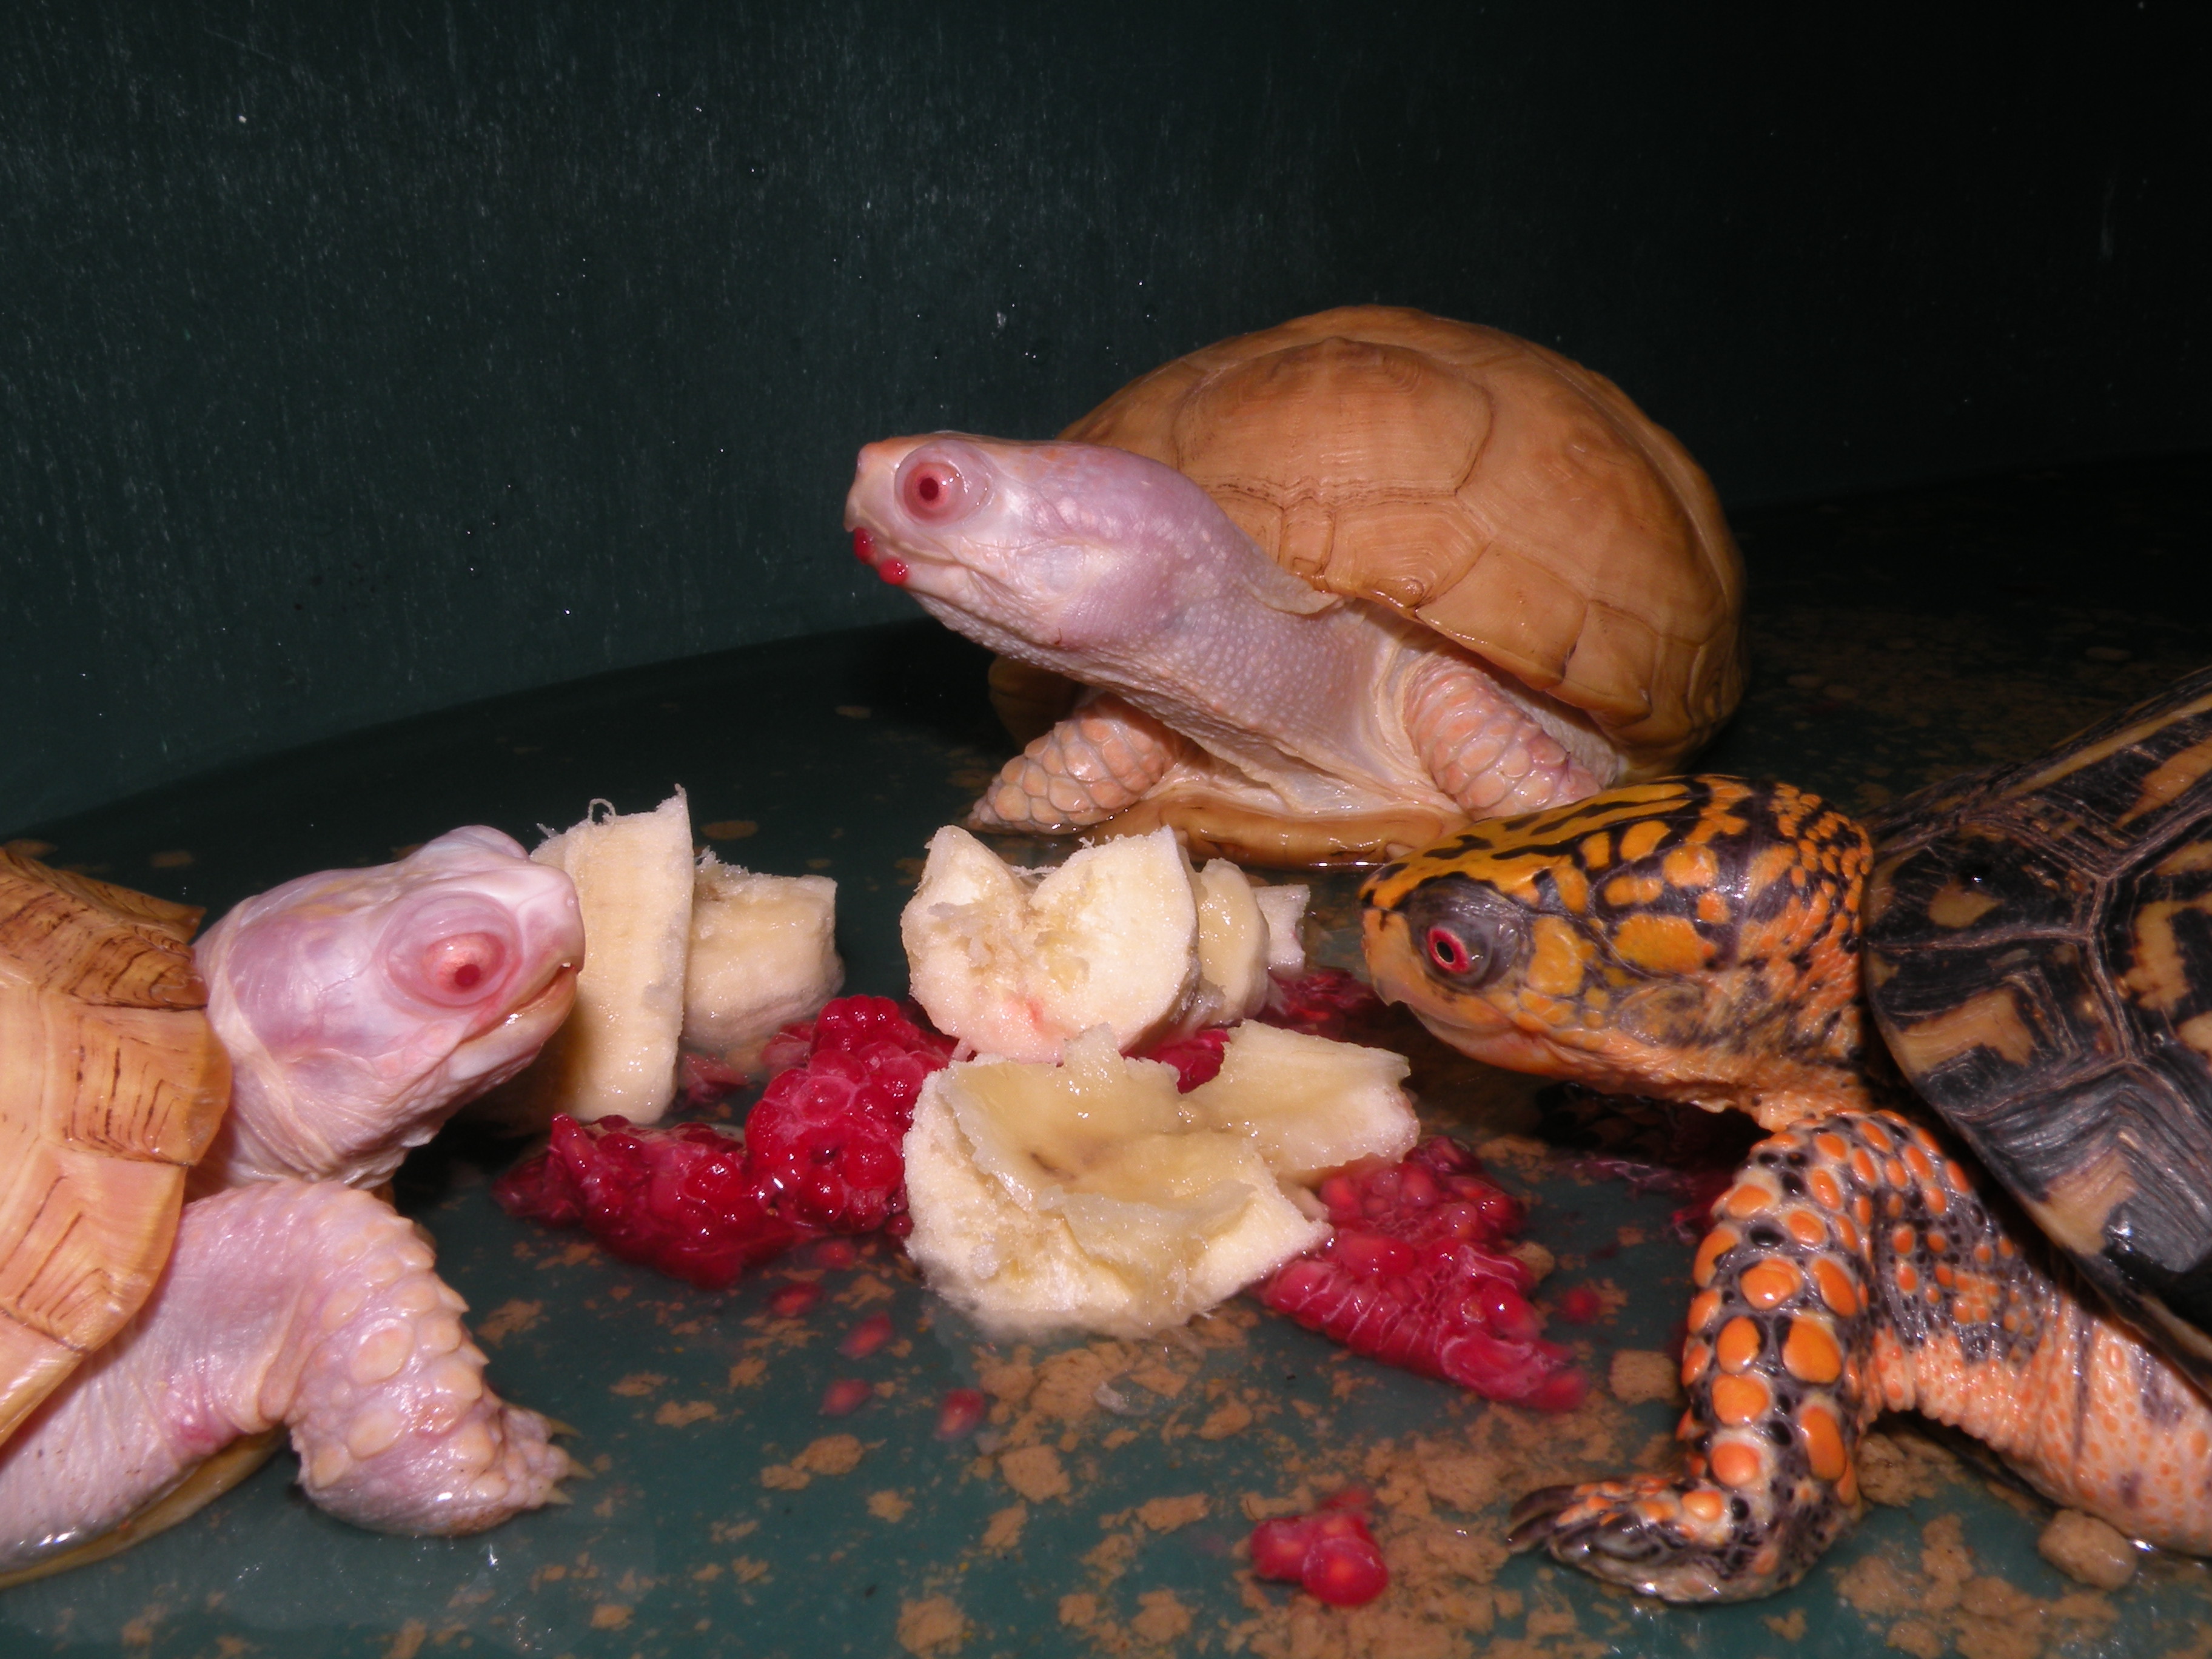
2040	959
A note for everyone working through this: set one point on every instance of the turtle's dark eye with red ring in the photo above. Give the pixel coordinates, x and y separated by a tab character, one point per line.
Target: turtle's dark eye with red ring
934	490
1467	936
1447	951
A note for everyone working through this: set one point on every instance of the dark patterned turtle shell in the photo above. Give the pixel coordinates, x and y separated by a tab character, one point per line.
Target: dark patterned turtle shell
2039	957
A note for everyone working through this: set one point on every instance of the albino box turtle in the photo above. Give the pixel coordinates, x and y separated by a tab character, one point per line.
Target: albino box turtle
154	1350
2038	956
1517	590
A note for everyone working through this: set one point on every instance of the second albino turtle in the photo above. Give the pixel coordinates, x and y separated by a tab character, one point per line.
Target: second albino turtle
1381	574
152	1351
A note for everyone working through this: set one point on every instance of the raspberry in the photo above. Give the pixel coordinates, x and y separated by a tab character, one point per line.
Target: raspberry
1330	1003
1196	1058
959	1412
864	1338
1415	1275
679	1197
1330	1553
825	1138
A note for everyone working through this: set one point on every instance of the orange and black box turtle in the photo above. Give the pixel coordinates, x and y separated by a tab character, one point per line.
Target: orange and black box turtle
2035	945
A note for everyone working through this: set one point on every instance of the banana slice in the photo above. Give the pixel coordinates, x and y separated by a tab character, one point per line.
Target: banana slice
1084	1196
1284	908
1018	963
763	952
1309	1105
1124	934
616	1052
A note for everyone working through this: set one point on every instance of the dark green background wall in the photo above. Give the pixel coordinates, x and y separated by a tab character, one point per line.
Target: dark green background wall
361	359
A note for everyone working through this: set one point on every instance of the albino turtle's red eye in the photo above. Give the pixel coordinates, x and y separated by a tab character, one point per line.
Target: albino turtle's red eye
461	967
935	492
1447	949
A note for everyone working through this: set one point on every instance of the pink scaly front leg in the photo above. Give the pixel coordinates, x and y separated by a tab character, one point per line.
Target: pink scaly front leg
1100	759
309	1306
1482	749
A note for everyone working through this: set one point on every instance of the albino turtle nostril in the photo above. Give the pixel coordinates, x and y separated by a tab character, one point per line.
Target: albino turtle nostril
934	491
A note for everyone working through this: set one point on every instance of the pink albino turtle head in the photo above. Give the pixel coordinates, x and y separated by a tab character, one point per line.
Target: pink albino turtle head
359	1007
1037	549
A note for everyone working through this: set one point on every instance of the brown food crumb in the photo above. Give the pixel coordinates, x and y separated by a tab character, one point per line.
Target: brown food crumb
1118	1439
1536	1258
888	1506
750	1570
1067	1383
637	1383
610	1615
511	1316
1078	1609
2083	1547
673	1416
1006	1529
1791	1629
747	1373
408	1640
1945	1605
1159	1379
1642	1373
834	1454
1896	1469
1161	1618
1230	1417
927	1627
1166	1514
1034	1473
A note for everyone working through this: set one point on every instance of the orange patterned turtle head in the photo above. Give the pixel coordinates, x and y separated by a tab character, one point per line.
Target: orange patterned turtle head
1691	939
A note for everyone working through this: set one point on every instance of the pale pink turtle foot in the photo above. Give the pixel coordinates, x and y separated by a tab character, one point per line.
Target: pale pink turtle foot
312	1306
1484	750
1102	757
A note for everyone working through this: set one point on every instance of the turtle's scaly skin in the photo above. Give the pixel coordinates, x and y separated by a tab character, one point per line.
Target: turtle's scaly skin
1698	939
1855	1270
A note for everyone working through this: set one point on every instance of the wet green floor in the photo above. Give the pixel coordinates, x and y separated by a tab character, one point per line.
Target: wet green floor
1895	639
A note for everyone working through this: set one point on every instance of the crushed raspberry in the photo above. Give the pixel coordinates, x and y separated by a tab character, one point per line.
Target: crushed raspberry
1196	1058
824	1140
845	1397
703	1081
959	1412
835	1253
864	1338
794	1299
678	1197
1330	1554
1416	1275
1581	1306
1330	1003
821	1152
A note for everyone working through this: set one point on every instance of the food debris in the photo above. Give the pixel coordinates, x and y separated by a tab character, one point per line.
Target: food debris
1945	1604
931	1625
1230	1417
1034	1473
1638	1374
637	1383
2088	1550
1331	1555
510	1318
833	1454
674	1416
1004	1530
1167	1514
888	1506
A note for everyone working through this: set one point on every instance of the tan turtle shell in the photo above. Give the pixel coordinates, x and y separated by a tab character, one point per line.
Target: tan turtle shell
1510	499
112	1083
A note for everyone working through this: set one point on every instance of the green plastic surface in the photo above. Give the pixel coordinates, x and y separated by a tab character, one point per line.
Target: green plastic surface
1931	631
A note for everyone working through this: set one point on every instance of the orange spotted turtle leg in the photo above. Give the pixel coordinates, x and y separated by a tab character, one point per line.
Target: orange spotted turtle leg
1845	1245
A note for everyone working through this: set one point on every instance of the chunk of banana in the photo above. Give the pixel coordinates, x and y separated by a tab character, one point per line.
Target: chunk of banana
617	1051
1124	934
763	951
1091	1196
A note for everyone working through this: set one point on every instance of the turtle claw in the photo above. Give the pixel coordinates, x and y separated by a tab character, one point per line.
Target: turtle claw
1681	1541
1534	1518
